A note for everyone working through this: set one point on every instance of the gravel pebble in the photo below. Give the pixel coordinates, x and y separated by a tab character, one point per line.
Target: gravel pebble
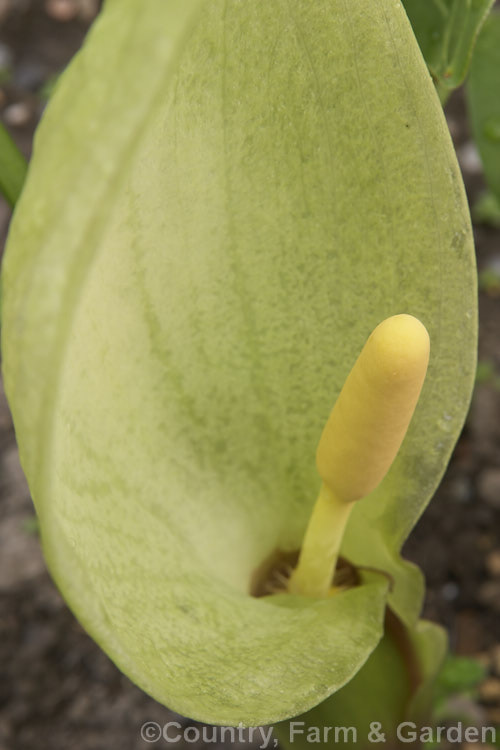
12	477
489	595
4	9
488	486
493	563
489	690
469	159
61	10
484	423
20	555
450	591
18	114
88	9
494	718
29	75
461	488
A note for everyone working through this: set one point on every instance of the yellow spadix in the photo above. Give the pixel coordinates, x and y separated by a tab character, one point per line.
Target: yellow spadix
360	440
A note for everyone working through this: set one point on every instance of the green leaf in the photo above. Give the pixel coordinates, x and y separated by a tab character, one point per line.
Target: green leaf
12	168
486	371
456	691
484	104
460	673
486	210
489	281
225	199
446	31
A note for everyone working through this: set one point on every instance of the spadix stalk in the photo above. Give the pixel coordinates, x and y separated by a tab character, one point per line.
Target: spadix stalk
361	440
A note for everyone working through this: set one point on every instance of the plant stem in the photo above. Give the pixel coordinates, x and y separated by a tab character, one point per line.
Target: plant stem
314	573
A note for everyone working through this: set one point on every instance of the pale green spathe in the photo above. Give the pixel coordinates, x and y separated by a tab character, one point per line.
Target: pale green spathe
225	199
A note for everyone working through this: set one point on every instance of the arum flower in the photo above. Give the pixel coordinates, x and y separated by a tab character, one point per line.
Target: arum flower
225	199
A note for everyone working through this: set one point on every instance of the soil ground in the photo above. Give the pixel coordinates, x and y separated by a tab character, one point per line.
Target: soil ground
57	689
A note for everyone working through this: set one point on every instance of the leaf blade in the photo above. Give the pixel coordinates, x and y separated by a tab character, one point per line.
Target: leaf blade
483	107
13	168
